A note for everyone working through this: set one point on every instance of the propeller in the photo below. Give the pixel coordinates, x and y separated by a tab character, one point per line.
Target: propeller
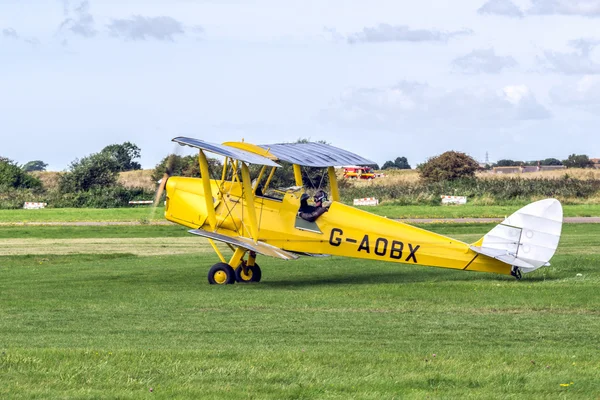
169	166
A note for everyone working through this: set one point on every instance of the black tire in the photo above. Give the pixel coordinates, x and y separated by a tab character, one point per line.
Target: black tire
254	274
221	274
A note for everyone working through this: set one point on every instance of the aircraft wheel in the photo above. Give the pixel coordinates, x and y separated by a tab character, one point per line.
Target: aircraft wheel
221	274
254	274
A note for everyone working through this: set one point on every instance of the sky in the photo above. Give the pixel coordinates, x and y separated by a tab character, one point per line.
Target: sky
516	79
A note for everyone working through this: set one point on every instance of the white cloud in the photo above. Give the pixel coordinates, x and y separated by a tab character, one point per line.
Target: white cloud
483	61
501	7
141	28
402	33
81	22
585	94
573	63
586	8
10	33
391	107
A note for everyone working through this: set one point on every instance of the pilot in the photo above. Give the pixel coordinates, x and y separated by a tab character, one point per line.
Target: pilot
311	213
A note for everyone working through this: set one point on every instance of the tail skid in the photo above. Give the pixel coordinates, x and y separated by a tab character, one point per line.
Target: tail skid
527	239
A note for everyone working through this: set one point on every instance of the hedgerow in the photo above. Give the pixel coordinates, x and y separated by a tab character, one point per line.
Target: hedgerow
499	190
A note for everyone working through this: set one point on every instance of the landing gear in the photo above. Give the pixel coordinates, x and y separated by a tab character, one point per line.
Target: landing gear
221	274
248	273
516	272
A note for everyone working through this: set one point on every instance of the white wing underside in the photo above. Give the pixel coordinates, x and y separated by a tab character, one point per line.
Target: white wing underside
246	243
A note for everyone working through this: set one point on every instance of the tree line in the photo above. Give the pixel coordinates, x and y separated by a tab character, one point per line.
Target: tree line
573	161
92	181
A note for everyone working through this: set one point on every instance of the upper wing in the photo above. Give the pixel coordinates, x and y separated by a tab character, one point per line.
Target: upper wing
310	154
226	151
259	247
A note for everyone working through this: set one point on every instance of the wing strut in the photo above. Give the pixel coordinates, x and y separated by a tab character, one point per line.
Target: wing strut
210	206
298	174
247	189
335	192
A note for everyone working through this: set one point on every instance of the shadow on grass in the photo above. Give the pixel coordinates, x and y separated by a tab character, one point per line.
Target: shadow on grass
182	277
392	277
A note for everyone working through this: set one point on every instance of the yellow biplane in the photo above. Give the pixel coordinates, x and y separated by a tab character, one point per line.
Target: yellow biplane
252	218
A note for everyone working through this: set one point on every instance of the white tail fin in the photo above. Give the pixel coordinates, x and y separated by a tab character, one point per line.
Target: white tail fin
528	238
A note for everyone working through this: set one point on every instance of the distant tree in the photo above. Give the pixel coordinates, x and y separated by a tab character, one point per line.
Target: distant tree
124	154
307	140
508	163
448	166
578	161
13	176
551	161
398	163
401	163
98	170
36	165
388	165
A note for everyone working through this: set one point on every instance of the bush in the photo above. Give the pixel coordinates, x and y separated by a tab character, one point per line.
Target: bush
448	166
93	172
112	197
12	176
11	198
177	165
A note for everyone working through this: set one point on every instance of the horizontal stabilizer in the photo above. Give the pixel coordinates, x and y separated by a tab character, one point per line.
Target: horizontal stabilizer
528	238
240	241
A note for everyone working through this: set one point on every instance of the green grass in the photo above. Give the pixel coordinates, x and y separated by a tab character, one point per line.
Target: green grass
116	325
471	211
145	214
139	214
65	232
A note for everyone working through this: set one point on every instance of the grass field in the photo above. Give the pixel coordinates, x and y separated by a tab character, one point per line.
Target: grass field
146	214
125	312
471	211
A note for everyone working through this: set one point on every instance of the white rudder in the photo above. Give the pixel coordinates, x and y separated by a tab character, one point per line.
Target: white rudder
527	239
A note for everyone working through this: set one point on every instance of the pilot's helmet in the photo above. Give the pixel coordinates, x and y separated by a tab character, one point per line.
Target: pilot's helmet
320	196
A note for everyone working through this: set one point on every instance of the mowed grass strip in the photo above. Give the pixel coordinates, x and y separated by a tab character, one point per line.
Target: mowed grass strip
175	239
134	246
135	214
82	232
117	325
147	215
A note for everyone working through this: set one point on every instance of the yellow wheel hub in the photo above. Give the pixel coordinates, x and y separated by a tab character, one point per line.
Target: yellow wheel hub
247	276
220	277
